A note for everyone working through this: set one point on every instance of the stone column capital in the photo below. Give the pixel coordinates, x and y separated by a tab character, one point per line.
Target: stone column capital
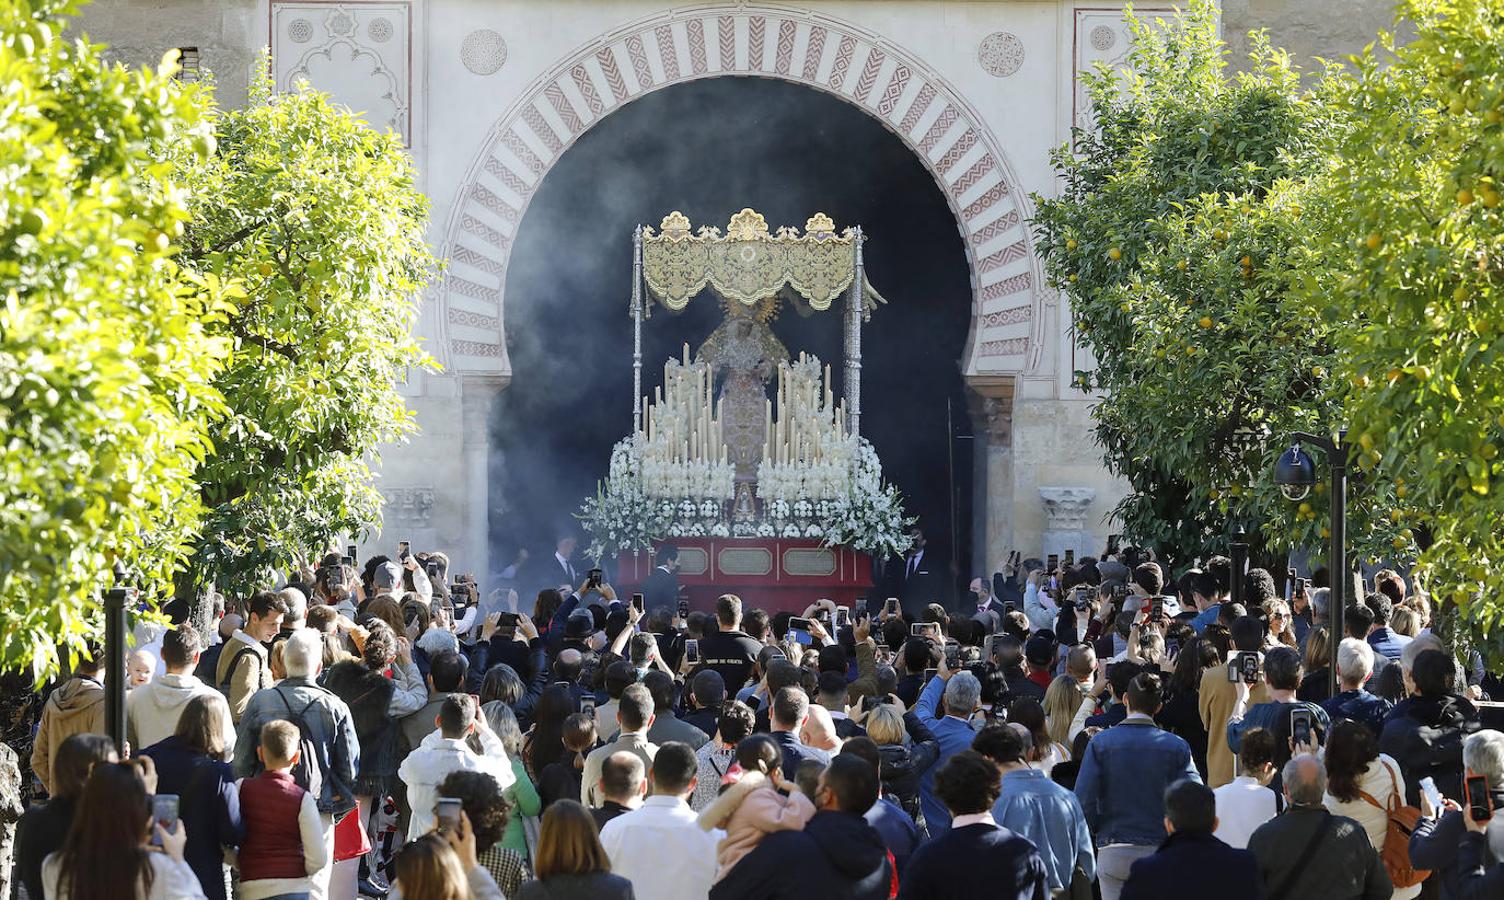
1065	507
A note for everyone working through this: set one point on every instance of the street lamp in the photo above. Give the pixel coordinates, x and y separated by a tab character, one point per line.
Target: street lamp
1295	473
115	600
1238	549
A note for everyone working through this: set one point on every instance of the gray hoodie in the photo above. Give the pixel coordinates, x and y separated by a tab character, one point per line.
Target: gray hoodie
153	709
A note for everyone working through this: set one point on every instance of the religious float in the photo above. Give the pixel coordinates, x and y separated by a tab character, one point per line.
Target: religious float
775	497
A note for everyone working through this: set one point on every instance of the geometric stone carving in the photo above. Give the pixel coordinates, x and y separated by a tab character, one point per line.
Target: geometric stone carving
484	52
410	506
1102	38
358	53
1001	54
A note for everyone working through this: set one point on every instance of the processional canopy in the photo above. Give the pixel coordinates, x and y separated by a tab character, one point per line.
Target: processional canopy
750	267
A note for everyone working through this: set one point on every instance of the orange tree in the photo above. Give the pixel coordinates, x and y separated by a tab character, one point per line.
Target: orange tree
1414	259
1178	235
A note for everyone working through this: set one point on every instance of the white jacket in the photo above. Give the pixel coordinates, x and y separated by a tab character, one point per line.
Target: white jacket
152	710
426	767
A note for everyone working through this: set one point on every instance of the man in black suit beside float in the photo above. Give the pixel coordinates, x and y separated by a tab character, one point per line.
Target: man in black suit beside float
662	586
918	578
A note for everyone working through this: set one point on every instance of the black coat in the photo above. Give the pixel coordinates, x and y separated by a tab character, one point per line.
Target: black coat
660	589
369	696
976	861
902	767
208	805
838	856
1425	737
1194	865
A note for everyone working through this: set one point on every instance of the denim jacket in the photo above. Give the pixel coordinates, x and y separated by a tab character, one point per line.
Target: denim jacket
1124	773
333	732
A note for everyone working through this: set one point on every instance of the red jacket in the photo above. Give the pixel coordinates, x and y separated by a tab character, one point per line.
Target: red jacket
273	845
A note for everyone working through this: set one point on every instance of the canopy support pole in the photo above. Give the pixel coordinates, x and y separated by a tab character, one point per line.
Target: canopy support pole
637	300
853	386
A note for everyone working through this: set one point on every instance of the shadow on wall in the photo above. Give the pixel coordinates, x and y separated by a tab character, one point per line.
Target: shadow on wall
709	148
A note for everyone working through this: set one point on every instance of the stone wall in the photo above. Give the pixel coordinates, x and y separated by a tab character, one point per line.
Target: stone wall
228	34
1308	29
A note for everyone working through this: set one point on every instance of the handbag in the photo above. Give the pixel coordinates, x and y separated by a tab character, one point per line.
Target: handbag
1400	822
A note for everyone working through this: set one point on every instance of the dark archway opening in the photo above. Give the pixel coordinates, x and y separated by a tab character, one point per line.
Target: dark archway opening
709	148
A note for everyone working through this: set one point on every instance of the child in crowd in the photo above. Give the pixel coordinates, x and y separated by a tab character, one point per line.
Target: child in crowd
284	838
758	803
139	668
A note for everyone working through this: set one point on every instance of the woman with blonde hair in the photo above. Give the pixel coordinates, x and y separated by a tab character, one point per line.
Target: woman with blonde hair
190	763
571	863
907	748
442	865
1281	623
1060	704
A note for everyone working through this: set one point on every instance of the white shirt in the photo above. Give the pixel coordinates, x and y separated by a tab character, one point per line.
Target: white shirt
662	850
171	880
1242	806
425	768
981	818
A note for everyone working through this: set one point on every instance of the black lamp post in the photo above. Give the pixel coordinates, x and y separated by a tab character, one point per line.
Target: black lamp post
115	600
1238	550
1295	473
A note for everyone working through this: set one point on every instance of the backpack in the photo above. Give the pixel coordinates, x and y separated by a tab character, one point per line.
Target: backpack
1402	820
306	772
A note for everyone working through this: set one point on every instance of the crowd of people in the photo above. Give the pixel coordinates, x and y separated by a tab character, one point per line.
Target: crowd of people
1079	729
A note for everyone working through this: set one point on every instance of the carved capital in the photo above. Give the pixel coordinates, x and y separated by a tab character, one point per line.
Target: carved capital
409	506
992	408
1065	507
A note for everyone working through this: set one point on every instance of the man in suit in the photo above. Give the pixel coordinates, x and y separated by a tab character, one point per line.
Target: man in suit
661	589
634	715
1191	862
918	578
976	857
559	568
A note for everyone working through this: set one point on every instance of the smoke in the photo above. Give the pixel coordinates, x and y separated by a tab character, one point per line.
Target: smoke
709	148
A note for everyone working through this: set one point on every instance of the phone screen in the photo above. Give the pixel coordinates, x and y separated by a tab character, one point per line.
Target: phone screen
692	651
404	549
843	616
1479	805
1250	666
1300	726
1432	792
637	602
930	673
1053	563
684	609
447	812
952	654
587	705
1070	557
799	631
350	552
164	812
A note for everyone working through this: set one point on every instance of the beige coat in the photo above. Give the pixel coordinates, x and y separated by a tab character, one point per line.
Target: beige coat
1217	698
76	707
251	675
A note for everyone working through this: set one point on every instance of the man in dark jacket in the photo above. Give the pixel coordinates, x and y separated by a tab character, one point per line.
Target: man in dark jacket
838	856
976	857
1425	734
790	708
1308	852
1441	838
1191	862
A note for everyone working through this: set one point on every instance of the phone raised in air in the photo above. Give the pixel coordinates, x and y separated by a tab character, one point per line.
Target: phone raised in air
1301	725
1480	806
692	652
350	552
683	609
1070	558
164	812
799	631
1052	564
404	549
587	705
637	602
843	616
446	812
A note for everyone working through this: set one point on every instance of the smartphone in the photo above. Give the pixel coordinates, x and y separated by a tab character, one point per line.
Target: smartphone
1480	806
404	549
890	606
1157	609
1070	558
1300	725
843	616
1083	597
799	631
923	629
1009	606
347	561
871	702
930	673
507	619
350	553
1113	542
1249	664
862	614
595	577
684	609
637	602
446	811
459	594
1289	584
1053	564
952	655
692	651
164	812
1432	792
587	705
